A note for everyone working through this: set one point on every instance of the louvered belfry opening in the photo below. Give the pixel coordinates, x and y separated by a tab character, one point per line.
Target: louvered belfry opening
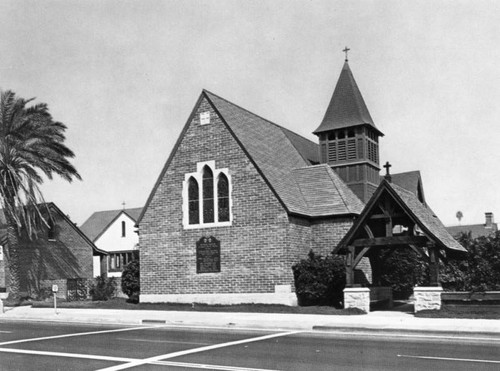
354	154
348	138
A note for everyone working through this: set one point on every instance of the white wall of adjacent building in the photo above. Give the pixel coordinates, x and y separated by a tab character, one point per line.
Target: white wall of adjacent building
120	236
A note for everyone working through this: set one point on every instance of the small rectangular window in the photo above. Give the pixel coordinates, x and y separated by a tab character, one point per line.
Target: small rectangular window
205	118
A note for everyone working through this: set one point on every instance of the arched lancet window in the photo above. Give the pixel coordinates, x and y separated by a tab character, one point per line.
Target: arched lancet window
123	229
223	198
208	195
193	201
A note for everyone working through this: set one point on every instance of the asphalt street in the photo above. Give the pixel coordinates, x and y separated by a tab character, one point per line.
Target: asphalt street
57	346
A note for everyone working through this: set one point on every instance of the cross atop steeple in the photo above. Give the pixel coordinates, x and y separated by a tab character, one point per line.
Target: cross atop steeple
346	49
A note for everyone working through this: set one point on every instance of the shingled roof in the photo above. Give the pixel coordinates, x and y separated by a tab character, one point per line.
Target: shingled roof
430	223
347	107
475	230
99	221
325	193
411	181
284	159
412	207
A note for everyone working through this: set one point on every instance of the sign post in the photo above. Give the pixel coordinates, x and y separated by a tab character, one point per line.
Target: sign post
54	291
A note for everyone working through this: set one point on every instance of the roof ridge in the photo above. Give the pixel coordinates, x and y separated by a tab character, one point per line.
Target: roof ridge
256	115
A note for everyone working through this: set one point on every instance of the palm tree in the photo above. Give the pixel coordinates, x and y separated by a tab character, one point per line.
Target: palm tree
31	144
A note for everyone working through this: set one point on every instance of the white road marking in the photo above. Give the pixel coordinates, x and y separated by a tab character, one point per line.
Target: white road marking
122	359
68	355
208	367
450	359
195	350
162	341
72	335
6	332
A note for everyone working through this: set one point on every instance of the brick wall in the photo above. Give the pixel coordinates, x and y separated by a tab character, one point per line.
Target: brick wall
46	261
253	248
76	245
327	233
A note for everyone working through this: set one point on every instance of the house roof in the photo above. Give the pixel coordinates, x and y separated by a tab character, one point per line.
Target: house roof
347	107
284	160
99	221
476	230
53	208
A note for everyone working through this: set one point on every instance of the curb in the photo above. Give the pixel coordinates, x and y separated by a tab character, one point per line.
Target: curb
397	331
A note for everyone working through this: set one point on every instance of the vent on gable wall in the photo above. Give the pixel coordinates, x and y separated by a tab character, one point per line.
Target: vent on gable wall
205	118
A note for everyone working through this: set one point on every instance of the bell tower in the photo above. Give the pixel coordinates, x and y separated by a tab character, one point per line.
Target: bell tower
348	138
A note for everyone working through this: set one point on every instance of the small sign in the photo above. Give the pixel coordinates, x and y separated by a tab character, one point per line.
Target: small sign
1	252
55	288
208	255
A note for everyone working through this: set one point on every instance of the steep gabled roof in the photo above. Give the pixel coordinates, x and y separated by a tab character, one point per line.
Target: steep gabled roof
278	154
347	107
430	223
53	208
283	158
99	221
419	213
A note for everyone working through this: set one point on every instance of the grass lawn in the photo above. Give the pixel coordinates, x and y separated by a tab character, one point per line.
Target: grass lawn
119	303
463	311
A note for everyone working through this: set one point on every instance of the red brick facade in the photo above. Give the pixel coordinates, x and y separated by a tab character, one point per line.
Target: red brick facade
45	262
257	250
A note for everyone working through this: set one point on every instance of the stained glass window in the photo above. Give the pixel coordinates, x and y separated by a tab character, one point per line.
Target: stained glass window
208	195
193	201
223	198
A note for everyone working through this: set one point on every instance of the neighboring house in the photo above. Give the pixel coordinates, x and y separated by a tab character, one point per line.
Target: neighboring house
60	254
476	230
113	231
241	199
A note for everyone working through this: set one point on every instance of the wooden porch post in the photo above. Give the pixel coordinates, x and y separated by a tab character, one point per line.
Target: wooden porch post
349	278
433	264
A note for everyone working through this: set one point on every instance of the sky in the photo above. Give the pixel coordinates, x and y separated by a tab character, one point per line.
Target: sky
123	76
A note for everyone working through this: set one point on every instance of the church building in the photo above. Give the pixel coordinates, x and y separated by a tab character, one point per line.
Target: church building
241	199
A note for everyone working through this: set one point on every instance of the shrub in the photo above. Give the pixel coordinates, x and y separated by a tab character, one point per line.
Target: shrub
478	269
131	281
320	280
103	288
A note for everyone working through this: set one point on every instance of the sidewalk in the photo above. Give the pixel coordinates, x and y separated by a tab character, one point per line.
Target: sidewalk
383	322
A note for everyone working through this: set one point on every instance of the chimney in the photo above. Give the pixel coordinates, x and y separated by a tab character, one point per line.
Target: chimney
489	220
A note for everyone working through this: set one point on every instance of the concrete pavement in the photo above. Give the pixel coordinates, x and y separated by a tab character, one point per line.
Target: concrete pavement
379	321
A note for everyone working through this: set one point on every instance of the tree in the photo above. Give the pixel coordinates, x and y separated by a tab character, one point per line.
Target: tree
31	144
459	216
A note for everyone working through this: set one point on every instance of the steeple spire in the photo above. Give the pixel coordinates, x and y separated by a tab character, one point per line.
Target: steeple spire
347	107
348	138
